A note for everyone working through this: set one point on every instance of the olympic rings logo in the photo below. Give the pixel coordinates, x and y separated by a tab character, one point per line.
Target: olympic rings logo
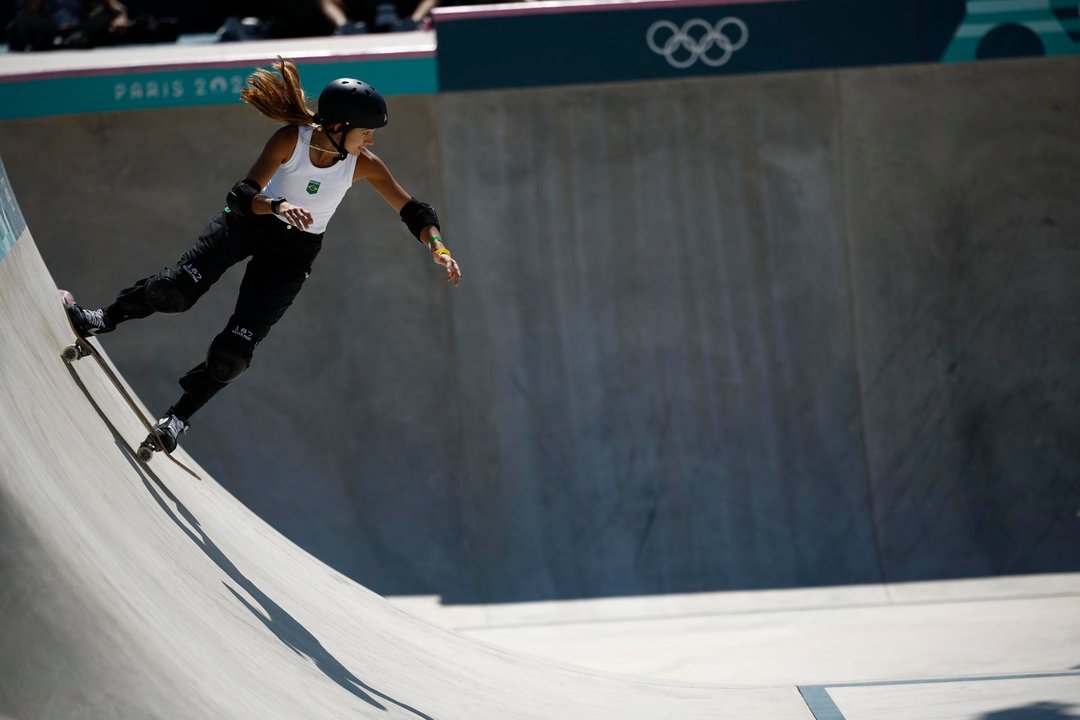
698	40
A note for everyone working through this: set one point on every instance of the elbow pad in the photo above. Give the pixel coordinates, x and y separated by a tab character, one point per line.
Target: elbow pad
417	216
240	197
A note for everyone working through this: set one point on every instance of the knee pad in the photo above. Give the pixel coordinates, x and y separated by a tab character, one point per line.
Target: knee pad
225	363
164	295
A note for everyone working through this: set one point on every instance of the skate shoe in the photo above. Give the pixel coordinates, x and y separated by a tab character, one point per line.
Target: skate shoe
89	322
169	429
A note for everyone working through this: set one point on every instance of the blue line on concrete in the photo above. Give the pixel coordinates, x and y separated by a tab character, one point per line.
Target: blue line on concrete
820	703
822	706
12	223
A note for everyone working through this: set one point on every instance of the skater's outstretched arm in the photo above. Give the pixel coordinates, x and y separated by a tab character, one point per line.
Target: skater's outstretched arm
371	168
277	151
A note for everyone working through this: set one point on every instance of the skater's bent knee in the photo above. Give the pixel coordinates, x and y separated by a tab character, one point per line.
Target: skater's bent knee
164	296
225	363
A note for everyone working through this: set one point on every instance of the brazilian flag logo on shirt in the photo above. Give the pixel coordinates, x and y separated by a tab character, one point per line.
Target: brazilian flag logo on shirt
313	187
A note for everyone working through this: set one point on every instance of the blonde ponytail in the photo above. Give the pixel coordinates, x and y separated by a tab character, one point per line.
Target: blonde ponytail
278	95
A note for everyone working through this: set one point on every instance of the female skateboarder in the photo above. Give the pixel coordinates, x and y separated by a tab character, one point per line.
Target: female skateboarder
276	216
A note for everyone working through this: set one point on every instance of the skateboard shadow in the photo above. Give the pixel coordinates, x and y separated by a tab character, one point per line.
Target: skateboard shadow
1034	711
275	618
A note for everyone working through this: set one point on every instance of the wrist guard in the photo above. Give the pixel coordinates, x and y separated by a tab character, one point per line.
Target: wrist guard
240	197
417	216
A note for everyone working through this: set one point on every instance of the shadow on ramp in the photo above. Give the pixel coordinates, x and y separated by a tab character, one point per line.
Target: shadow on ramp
283	625
287	629
1035	711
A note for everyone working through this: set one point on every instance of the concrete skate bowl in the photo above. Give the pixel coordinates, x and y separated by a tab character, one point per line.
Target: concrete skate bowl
137	591
790	330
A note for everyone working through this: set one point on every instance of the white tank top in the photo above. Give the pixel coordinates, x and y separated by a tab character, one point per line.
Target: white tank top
319	190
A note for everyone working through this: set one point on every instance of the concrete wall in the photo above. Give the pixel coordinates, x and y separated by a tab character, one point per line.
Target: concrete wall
964	238
768	331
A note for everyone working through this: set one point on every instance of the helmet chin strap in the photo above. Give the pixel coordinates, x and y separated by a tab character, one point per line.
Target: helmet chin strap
339	144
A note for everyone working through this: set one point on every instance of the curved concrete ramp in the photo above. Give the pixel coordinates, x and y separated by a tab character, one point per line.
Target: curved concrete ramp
805	329
139	592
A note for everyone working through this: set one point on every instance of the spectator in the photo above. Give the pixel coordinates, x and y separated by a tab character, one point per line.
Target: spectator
386	15
291	19
44	24
388	20
54	24
109	22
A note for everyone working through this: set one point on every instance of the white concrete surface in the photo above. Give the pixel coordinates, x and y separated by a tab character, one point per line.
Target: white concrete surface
991	698
801	637
134	592
138	592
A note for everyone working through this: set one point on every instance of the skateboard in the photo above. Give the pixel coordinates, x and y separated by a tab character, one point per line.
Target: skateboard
81	348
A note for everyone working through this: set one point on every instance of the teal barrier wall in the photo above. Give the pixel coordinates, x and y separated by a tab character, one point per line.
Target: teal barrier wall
200	86
12	223
535	46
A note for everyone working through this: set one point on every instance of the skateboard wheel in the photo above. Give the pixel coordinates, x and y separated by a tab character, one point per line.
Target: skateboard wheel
70	354
145	453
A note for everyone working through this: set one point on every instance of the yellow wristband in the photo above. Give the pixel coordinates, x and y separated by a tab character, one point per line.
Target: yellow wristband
441	251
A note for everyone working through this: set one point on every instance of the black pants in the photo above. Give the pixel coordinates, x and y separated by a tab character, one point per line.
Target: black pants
281	259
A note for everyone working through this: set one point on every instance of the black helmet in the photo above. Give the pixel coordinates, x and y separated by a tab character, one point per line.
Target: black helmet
352	102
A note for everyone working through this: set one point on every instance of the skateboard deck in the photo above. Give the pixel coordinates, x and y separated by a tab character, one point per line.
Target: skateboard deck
81	348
